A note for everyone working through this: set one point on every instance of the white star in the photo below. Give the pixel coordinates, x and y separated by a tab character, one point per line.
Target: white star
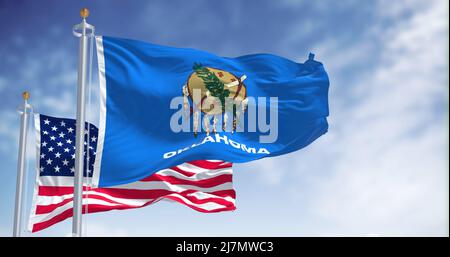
41	169
72	169
93	139
73	156
49	161
86	132
43	156
57	155
61	134
52	138
54	128
70	130
44	144
50	149
66	150
46	122
59	144
63	124
45	132
89	171
57	168
65	162
69	141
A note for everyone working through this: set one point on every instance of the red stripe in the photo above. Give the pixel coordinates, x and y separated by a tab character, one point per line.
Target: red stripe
211	165
226	208
130	193
186	173
207	165
223	193
209	182
126	194
149	195
43	209
55	190
194	199
93	208
114	192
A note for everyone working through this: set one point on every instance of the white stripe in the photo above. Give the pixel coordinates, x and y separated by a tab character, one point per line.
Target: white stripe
45	217
65	181
48	200
199	176
202	195
102	124
56	181
61	181
205	206
69	205
148	185
192	168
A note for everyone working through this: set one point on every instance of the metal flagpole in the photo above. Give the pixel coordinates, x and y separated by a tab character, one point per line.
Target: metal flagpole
84	31
21	164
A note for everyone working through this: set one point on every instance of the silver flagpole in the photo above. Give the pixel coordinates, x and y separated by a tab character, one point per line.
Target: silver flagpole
84	31
21	164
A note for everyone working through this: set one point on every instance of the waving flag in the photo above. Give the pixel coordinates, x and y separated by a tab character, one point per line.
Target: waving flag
205	186
233	109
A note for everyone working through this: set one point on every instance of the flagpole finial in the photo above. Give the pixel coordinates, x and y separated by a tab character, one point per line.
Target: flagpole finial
26	95
84	13
83	28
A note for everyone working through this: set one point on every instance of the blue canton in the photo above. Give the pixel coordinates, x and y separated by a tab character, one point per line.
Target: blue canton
57	146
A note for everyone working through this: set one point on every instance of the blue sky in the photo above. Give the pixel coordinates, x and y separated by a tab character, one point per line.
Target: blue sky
382	169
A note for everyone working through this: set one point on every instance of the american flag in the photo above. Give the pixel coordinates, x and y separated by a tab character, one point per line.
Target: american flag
205	185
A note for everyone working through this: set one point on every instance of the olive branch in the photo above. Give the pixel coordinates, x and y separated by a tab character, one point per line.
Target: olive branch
212	83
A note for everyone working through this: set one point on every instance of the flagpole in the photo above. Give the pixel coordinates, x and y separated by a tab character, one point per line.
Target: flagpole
83	31
21	165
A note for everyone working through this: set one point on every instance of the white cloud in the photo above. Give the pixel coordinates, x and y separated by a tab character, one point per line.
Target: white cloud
51	79
268	172
65	103
382	168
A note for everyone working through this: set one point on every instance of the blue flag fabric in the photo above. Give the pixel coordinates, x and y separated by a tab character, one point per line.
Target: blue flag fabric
139	85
